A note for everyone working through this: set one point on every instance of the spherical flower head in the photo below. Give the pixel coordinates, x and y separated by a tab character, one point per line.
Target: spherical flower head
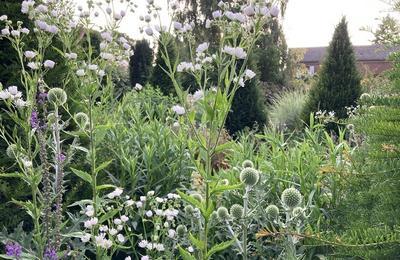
236	211
222	213
57	96
291	198
272	212
12	151
249	176
181	230
247	164
189	209
298	213
82	119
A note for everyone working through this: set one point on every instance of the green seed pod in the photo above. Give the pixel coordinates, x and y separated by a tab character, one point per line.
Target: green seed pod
189	210
236	211
223	213
247	164
12	151
82	119
181	230
272	212
197	196
291	198
57	96
298	213
249	176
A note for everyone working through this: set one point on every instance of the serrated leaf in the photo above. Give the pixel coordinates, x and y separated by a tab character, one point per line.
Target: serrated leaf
219	247
185	254
197	242
83	175
222	188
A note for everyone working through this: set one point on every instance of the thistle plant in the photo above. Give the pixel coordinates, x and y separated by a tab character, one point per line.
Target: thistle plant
204	112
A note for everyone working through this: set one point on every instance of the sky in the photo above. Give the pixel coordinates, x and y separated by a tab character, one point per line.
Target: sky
307	23
310	23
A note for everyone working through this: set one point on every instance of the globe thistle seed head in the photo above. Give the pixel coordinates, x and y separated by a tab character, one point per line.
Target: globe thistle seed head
247	164
249	176
12	151
57	96
272	212
298	213
236	211
223	213
82	119
181	230
291	198
189	210
197	196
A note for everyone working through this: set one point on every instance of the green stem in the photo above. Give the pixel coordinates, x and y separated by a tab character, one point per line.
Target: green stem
244	224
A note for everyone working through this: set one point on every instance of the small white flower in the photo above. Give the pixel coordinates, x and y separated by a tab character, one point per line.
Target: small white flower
80	72
159	212
42	25
85	238
30	54
178	26
129	203
101	73
117	221
139	204
13	90
138	87
171	233
71	56
106	36
128	258
4	94
113	231
149	31
124	218
179	110
25	30
249	74
90	223
103	228
5	31
159	247
149	213
190	249
199	94
145	257
202	47
121	238
33	65
143	243
15	33
159	200
274	11
52	29
19	103
150	193
3	17
217	14
143	198
208	24
92	67
249	10
49	64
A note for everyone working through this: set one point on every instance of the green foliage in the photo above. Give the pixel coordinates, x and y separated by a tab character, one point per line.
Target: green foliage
159	77
140	64
338	84
286	110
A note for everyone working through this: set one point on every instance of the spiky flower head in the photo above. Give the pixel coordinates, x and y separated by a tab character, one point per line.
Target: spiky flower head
81	119
223	213
249	176
272	212
189	209
181	230
236	211
291	198
298	213
57	96
247	164
12	151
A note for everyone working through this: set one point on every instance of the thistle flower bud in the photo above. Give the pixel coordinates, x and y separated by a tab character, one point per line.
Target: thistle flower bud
82	119
181	230
249	176
247	164
12	151
291	198
189	209
298	213
236	211
272	212
223	213
57	96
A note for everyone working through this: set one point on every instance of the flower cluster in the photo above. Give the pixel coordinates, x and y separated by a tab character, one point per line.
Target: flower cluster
14	95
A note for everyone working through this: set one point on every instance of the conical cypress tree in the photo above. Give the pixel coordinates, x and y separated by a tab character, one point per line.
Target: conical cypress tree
248	107
338	84
140	63
159	78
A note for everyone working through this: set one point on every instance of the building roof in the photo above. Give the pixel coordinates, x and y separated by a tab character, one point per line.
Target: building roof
363	53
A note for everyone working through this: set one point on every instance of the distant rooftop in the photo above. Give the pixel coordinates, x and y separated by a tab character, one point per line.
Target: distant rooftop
363	53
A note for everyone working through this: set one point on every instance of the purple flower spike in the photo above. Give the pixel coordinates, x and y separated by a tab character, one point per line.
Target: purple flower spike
34	120
62	157
50	254
13	249
42	97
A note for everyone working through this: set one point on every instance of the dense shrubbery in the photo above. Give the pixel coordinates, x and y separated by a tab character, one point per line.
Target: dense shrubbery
104	171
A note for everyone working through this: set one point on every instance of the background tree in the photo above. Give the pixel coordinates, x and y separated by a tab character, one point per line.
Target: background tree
159	78
338	84
140	64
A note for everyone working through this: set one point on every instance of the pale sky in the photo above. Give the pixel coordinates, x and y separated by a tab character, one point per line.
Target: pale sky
307	23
